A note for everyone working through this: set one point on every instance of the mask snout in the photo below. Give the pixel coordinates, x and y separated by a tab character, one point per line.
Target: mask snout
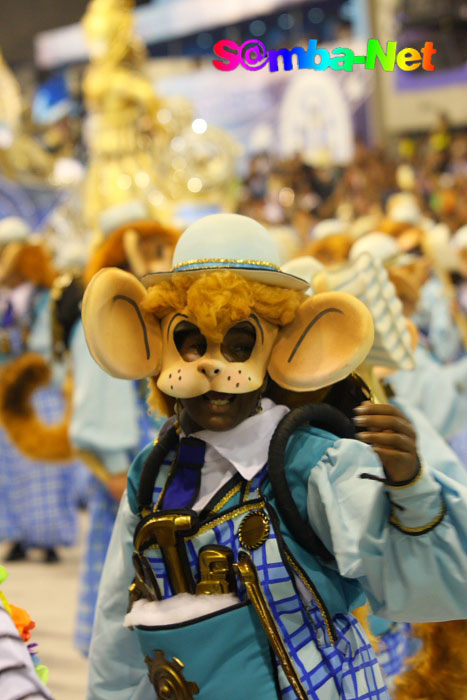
210	368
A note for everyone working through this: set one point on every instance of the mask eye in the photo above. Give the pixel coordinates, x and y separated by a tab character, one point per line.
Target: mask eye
189	341
239	342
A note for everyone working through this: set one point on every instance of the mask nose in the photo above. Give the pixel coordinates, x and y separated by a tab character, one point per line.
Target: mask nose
210	368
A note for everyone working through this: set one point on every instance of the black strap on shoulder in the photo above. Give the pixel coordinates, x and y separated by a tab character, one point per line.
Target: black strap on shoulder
159	452
318	415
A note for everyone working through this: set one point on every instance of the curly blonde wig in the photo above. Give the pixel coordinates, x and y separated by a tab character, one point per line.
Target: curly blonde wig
217	300
34	263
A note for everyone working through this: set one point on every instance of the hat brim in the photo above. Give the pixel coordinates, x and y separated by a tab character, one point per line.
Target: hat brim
270	277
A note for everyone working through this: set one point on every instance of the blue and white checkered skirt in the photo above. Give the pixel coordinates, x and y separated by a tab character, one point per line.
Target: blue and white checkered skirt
37	499
394	648
102	508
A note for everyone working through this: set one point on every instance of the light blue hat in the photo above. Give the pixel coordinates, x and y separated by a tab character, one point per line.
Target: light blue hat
228	242
14	229
118	215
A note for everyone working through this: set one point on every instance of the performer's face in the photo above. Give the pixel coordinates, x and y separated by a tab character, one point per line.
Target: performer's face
156	253
218	411
218	384
147	253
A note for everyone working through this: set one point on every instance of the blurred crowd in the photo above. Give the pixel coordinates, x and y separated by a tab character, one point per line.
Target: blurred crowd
433	167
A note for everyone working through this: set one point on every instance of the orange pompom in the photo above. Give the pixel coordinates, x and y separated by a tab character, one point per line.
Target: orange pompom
23	622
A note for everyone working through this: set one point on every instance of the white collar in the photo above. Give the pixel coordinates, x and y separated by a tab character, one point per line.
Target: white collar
246	446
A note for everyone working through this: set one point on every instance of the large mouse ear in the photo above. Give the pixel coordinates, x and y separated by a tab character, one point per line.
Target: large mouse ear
330	336
124	340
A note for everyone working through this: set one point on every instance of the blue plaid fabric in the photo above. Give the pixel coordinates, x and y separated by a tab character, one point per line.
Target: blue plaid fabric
12	340
38	500
347	669
394	648
148	425
102	508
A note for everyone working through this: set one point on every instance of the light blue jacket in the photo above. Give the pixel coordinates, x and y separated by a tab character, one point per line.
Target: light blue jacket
434	319
40	337
436	390
105	410
412	570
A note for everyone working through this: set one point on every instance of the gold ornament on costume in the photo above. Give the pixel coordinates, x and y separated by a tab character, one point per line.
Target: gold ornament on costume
168	680
249	576
216	571
254	530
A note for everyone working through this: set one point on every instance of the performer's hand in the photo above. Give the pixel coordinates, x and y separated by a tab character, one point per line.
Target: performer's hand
117	485
392	437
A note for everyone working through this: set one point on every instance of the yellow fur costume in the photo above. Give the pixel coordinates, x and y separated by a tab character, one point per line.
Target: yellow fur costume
34	438
21	377
439	670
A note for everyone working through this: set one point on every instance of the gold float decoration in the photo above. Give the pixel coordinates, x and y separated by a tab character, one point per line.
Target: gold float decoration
10	98
21	158
140	145
124	112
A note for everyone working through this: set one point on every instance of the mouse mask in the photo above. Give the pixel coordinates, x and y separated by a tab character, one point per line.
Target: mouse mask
195	340
193	364
129	239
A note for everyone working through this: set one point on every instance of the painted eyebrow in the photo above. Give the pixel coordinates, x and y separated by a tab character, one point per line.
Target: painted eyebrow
310	326
255	318
132	302
172	320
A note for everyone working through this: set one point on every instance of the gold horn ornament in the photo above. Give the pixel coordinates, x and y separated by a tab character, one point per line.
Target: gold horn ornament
168	679
246	570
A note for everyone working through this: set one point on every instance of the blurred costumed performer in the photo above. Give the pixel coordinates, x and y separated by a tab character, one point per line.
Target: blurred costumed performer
38	507
395	340
101	404
109	421
438	391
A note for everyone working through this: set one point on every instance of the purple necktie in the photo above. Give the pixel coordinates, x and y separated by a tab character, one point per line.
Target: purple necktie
183	487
